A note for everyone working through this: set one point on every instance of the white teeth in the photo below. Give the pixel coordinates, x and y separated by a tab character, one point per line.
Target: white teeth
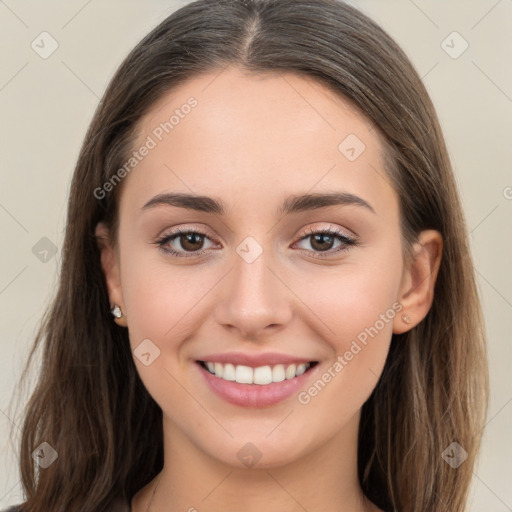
261	375
300	369
218	369
278	374
243	374
228	373
290	371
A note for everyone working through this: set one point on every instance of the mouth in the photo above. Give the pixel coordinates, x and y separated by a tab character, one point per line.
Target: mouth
256	386
259	375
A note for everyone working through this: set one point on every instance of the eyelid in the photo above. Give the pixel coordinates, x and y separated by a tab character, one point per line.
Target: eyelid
176	233
348	241
312	230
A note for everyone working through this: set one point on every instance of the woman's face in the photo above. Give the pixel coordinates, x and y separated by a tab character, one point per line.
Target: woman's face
259	287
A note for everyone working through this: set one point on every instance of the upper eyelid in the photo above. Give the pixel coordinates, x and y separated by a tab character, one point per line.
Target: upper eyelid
347	242
335	231
310	231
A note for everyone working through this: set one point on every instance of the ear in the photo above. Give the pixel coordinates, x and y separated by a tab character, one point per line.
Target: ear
110	266
417	287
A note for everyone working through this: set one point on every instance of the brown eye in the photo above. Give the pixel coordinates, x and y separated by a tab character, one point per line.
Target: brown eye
322	241
181	242
191	241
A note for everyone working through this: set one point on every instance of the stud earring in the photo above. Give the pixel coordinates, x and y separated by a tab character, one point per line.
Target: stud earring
406	319
116	311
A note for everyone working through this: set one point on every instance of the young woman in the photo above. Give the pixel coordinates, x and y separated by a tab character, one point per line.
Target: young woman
267	298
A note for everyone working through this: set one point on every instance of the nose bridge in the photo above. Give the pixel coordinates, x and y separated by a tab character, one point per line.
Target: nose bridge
254	298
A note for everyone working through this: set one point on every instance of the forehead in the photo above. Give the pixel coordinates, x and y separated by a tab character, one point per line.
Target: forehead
256	138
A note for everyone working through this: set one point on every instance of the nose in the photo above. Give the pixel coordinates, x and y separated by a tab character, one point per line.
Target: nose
254	300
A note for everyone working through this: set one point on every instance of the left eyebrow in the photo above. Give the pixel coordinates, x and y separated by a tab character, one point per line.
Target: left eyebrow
292	204
306	202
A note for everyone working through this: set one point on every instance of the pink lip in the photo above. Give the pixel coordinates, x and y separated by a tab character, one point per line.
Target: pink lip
255	395
254	360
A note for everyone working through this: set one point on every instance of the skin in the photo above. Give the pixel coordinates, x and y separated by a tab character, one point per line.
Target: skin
252	141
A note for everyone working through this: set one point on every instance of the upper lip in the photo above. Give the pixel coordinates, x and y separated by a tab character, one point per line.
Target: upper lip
254	360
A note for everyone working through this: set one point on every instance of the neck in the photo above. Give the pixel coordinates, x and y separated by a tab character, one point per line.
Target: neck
191	480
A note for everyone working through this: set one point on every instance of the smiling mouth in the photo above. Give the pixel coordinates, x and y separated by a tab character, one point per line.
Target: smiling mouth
260	375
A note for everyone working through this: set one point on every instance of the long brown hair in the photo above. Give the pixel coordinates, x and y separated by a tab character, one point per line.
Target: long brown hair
89	403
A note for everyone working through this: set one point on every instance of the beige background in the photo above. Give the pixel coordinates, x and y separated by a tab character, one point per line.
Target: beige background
47	105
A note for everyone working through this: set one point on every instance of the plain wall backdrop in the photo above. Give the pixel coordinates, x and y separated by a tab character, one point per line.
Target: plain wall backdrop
47	101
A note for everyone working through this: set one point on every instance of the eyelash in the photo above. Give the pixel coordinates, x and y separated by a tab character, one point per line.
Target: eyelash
348	242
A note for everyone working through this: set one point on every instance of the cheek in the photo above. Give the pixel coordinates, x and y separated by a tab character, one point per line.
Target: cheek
355	307
160	304
353	298
160	297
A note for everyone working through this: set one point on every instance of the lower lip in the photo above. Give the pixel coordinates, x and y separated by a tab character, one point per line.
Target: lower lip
255	395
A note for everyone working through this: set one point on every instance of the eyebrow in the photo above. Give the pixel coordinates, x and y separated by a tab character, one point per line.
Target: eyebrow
292	204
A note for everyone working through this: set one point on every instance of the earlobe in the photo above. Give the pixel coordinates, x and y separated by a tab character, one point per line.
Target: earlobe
110	266
418	282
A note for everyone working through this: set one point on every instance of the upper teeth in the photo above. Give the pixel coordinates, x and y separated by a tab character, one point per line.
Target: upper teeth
260	375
